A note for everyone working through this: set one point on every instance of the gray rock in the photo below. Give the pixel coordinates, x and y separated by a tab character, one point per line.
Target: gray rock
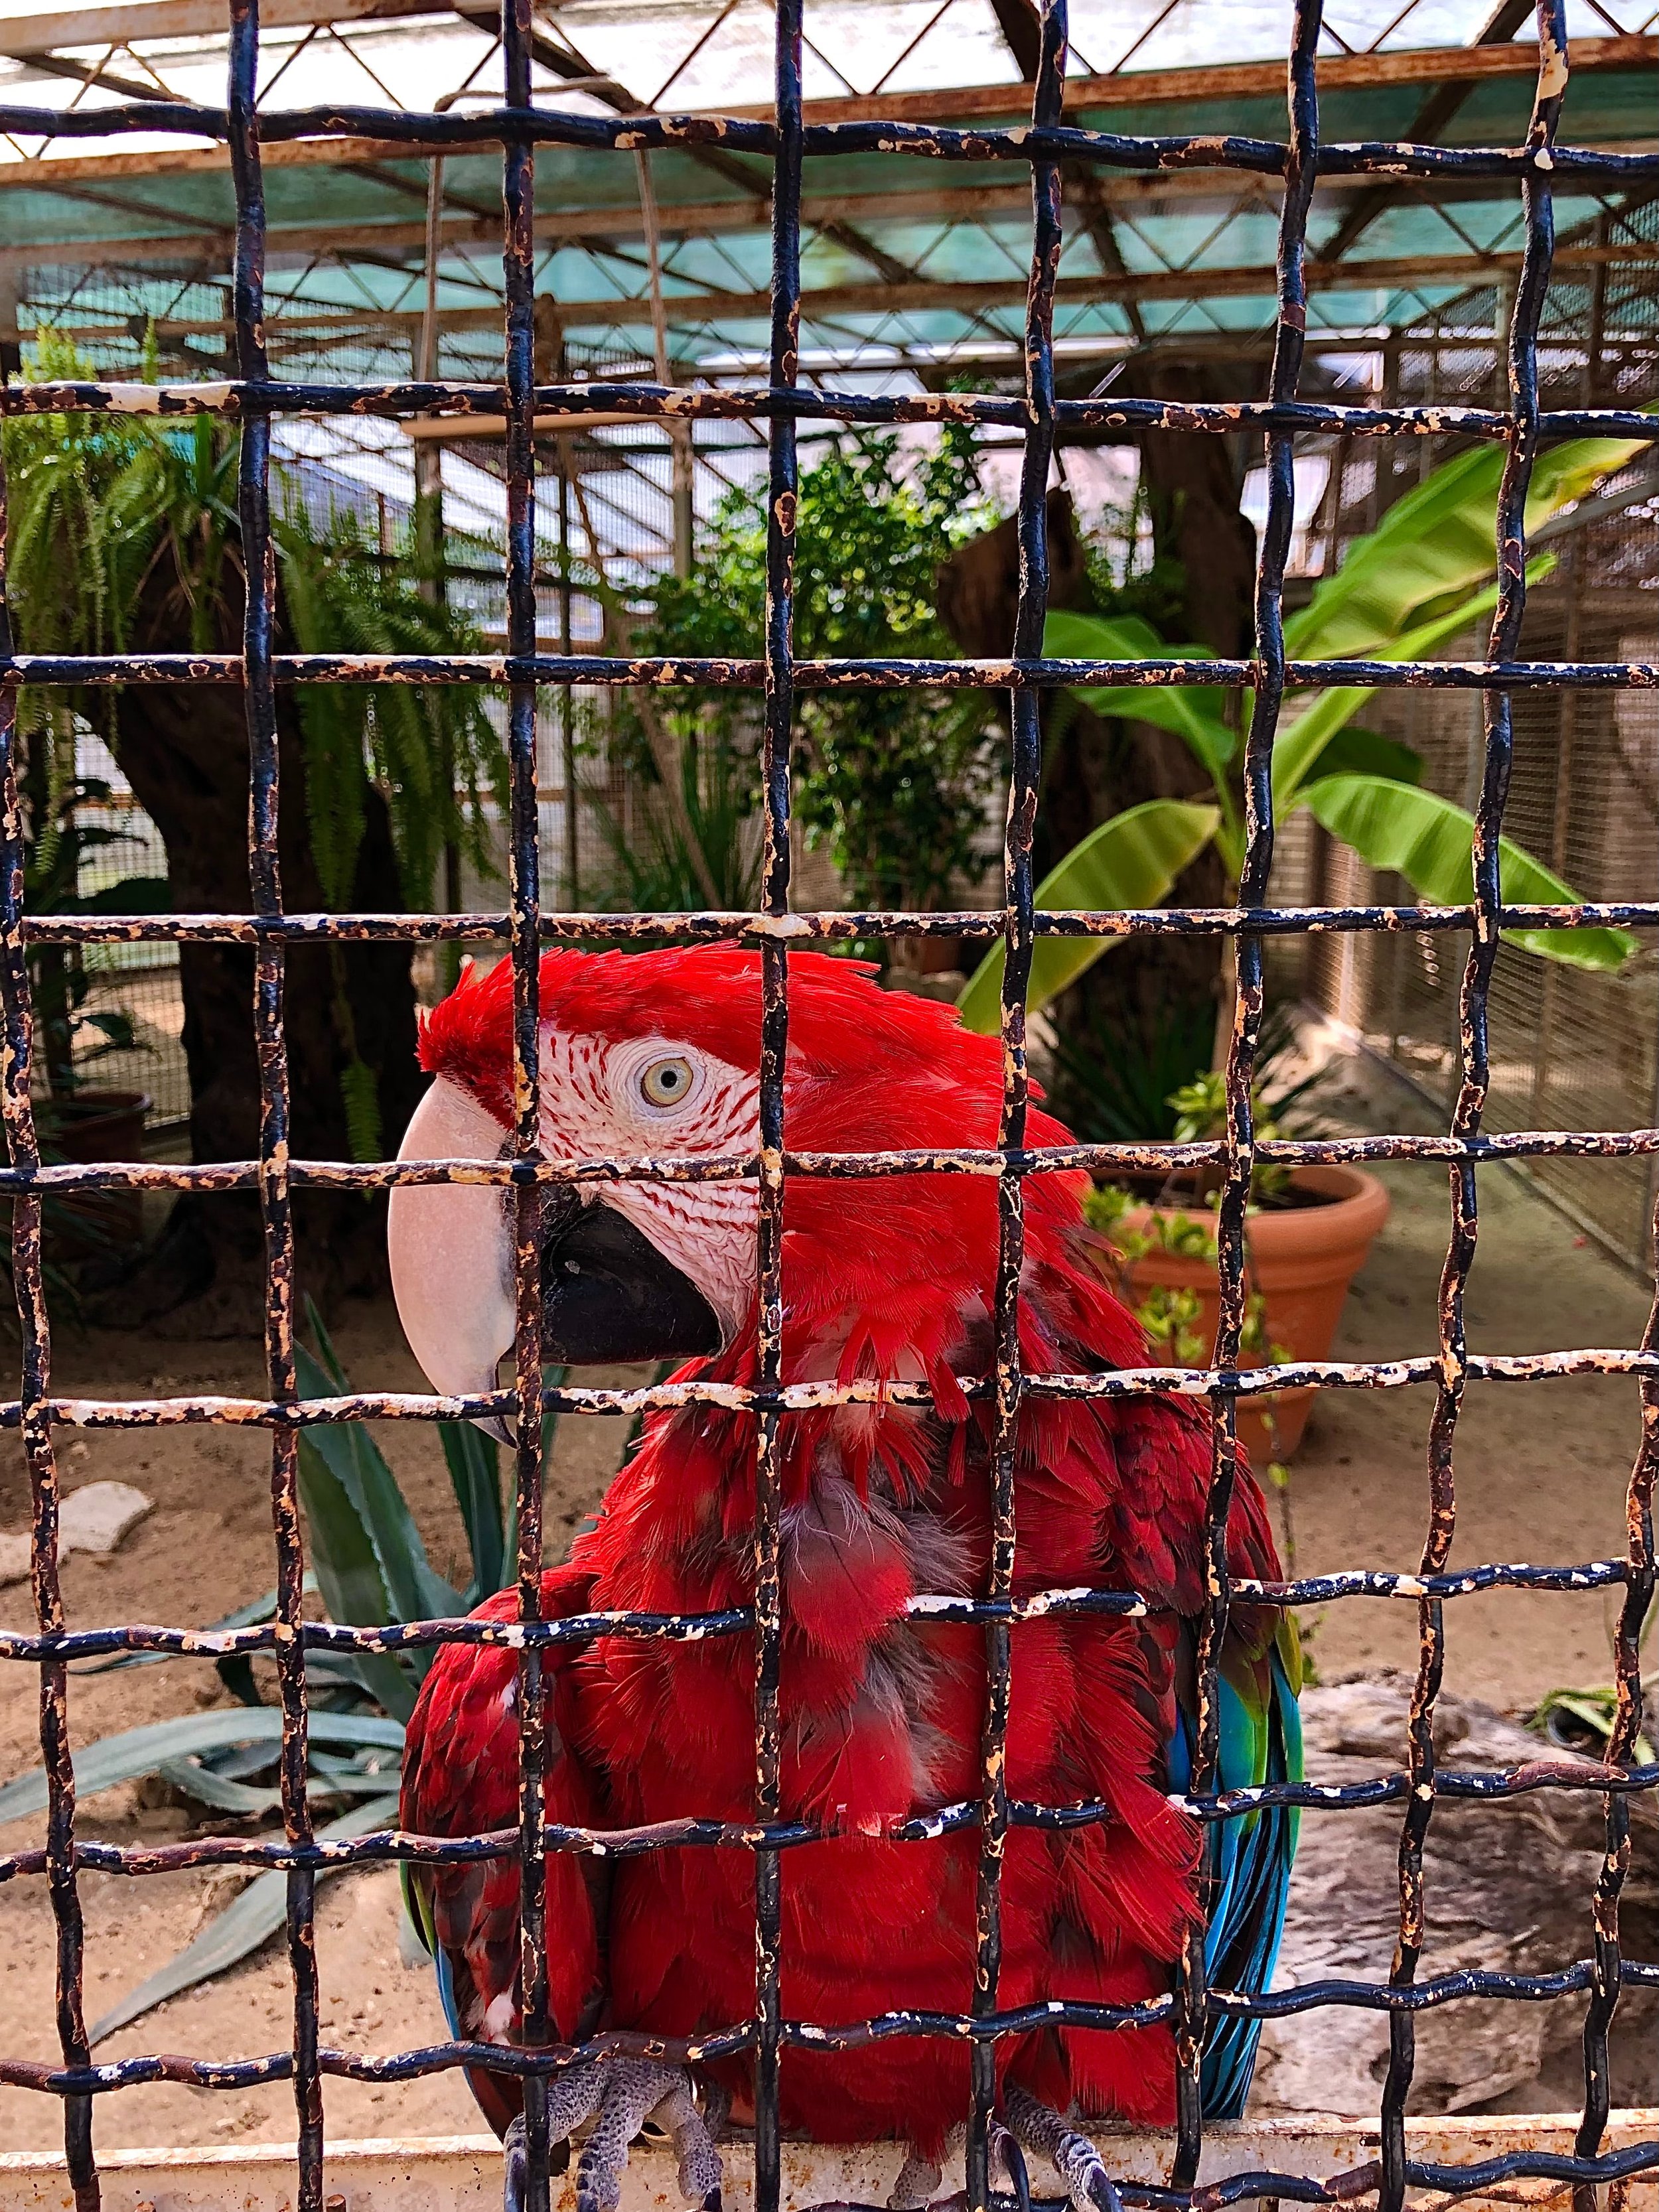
1508	1887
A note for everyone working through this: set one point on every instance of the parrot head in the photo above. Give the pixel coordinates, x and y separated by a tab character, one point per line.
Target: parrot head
657	1055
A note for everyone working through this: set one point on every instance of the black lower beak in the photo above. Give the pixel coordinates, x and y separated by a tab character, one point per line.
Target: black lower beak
608	1294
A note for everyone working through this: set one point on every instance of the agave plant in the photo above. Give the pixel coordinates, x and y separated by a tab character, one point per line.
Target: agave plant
371	1570
1424	575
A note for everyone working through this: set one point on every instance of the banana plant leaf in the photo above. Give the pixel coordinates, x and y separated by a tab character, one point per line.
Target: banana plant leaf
1430	841
138	1750
1436	541
1299	748
1367	753
1130	861
1197	713
249	1921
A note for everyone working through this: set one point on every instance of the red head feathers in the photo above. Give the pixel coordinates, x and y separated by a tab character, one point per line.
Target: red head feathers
657	1053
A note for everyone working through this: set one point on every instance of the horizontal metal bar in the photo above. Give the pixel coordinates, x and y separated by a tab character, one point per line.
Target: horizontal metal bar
708	926
387	1846
429	132
34	1647
670	673
1427	1996
1150	1159
813	1397
669	403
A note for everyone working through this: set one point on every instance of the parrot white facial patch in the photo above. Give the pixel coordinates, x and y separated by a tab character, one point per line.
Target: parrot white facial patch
595	1103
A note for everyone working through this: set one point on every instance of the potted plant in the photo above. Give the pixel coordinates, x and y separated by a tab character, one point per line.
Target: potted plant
1307	1233
1422	576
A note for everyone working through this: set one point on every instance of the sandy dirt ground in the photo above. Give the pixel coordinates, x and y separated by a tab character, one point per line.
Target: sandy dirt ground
205	1549
1541	1475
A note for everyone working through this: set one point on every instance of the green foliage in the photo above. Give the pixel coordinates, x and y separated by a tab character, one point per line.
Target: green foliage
1421	576
421	744
108	511
1136	579
655	860
1428	841
105	508
371	1563
188	1743
1129	861
1435	545
475	1478
1111	1082
85	494
1172	1314
894	782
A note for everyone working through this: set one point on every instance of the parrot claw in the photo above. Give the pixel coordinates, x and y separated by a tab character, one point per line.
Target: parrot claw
1006	2146
619	2095
1034	2127
918	2178
512	2153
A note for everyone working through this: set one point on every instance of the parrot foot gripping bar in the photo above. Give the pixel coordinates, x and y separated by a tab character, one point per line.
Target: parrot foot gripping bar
616	2100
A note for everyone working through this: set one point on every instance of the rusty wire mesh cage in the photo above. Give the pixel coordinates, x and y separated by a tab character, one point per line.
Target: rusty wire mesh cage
255	400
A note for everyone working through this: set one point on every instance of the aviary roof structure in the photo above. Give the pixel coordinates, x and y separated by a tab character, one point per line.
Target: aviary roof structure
910	265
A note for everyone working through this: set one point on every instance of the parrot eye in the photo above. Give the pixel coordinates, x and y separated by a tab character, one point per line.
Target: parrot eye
666	1082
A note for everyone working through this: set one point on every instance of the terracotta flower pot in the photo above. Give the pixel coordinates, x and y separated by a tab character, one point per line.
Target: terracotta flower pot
1301	1259
96	1125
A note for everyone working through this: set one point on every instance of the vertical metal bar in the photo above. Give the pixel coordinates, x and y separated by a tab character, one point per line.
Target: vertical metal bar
1024	768
1530	288
782	488
23	1149
1638	1504
518	247
573	882
1289	339
276	1205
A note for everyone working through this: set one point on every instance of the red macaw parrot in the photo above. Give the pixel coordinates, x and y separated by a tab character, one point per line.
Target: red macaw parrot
657	1053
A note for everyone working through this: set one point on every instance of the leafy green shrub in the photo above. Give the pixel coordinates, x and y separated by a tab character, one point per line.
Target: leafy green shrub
1425	574
894	782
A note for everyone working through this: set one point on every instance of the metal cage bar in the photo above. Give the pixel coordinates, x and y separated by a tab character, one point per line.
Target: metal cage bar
777	730
256	400
59	1859
275	1200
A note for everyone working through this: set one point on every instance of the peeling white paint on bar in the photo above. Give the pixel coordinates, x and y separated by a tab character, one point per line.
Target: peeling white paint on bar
463	2173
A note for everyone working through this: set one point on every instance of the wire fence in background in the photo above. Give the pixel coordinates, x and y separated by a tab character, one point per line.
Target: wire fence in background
259	401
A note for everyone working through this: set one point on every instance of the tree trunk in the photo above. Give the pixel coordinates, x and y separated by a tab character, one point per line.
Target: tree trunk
184	752
1193	482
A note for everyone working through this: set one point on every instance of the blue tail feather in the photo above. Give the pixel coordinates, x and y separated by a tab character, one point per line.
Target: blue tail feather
1249	1866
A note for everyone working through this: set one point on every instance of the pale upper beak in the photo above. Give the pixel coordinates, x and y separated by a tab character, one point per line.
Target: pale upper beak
609	1292
450	1248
